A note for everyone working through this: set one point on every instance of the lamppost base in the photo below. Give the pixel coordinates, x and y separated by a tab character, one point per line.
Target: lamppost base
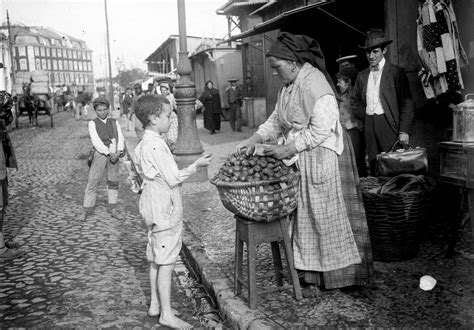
183	161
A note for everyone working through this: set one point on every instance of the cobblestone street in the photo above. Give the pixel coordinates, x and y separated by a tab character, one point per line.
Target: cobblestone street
91	274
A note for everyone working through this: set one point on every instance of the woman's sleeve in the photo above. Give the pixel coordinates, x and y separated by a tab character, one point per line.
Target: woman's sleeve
322	124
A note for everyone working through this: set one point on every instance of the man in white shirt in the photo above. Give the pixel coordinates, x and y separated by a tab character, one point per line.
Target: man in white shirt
108	141
382	96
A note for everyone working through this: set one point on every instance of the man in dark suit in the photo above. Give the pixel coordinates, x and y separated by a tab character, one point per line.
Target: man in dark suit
382	96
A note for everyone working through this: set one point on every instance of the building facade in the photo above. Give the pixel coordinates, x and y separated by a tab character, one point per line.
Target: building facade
67	60
163	61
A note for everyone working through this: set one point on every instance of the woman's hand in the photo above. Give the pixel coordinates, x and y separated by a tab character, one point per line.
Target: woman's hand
280	151
205	160
248	146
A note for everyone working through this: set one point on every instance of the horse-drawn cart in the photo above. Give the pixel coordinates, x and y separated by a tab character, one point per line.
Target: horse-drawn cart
34	97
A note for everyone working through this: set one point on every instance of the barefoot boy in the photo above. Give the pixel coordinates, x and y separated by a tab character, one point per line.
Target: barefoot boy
160	202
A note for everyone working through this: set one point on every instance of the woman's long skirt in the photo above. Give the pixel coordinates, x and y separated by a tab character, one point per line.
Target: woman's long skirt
358	273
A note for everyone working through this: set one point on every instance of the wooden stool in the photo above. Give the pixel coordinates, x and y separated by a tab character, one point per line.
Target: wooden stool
253	233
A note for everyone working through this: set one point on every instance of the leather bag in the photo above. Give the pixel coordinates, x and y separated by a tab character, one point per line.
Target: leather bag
402	161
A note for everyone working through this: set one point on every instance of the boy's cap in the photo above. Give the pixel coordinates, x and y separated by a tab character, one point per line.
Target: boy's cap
101	101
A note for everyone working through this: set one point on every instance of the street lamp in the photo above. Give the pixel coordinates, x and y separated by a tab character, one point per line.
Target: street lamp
188	145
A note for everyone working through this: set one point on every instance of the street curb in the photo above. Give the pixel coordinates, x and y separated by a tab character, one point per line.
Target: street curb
234	309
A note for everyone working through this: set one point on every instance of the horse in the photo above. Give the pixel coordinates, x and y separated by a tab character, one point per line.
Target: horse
27	102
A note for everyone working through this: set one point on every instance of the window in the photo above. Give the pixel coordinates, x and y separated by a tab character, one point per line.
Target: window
37	51
69	53
49	65
42	52
23	65
56	77
60	65
81	68
75	66
53	41
38	64
55	65
70	66
74	54
49	51
43	64
21	51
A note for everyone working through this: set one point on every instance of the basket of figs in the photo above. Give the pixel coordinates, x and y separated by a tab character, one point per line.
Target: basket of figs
257	188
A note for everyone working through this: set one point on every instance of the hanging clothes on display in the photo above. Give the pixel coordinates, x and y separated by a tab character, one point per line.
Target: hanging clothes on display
439	48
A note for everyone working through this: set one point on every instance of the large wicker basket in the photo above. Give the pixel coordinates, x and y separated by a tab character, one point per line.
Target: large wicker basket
394	219
260	200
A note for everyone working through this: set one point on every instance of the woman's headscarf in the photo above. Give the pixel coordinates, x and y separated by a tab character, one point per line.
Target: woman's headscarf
300	48
207	82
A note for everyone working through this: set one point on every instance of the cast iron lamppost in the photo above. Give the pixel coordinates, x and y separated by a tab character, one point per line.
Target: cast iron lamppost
111	86
188	145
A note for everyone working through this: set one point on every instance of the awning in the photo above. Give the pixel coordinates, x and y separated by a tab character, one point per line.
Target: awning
276	22
232	6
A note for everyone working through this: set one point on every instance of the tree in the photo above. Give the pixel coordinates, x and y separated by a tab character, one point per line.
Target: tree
125	77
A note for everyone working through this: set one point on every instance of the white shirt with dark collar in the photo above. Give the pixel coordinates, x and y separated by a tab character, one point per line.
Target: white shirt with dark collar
374	106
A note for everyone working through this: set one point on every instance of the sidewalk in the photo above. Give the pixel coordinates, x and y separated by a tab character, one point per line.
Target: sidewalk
396	301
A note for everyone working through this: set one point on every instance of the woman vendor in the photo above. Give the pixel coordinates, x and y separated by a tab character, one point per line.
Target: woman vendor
331	244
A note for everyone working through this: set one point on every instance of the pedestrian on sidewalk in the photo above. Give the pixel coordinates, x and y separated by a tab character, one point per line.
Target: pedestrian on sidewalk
212	107
8	249
108	142
331	244
138	91
160	202
126	105
233	94
165	89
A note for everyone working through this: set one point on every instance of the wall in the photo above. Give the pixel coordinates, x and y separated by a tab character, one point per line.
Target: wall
433	118
217	65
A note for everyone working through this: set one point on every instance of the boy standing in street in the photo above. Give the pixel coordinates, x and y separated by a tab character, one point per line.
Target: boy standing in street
8	249
108	142
160	203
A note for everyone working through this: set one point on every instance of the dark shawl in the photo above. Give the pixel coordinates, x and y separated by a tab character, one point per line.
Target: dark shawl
301	49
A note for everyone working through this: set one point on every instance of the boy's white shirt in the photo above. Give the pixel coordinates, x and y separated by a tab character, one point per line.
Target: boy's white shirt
99	145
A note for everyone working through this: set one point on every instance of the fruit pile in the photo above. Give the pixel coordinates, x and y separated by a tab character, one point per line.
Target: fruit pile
243	168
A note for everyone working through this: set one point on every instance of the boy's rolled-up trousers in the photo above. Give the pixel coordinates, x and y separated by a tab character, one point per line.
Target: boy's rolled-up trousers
101	164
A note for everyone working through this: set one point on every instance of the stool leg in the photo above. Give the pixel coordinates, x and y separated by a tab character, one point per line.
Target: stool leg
277	262
252	276
289	257
239	250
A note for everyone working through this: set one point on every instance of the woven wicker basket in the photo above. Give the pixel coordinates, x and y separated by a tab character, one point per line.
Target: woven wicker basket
255	201
394	219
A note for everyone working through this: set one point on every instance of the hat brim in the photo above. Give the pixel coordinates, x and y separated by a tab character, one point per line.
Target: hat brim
379	44
346	58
